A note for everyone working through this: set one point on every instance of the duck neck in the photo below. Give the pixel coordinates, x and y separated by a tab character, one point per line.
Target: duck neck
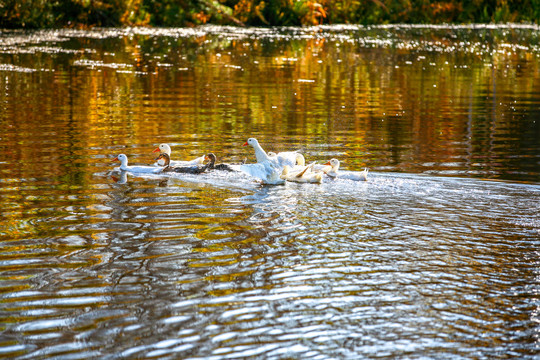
124	164
260	154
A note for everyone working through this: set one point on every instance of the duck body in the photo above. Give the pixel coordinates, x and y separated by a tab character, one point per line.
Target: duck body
267	168
223	167
193	169
322	168
299	164
264	171
307	175
290	158
166	149
213	166
196	161
334	172
354	175
135	169
190	169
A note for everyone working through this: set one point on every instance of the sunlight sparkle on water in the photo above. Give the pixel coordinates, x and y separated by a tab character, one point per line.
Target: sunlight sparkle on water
437	249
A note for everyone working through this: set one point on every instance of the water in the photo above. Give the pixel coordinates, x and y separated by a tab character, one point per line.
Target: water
435	256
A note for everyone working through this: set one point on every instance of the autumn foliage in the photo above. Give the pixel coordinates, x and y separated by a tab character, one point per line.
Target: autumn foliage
88	13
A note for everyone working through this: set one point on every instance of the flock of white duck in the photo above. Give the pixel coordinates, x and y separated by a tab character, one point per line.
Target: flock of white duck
270	168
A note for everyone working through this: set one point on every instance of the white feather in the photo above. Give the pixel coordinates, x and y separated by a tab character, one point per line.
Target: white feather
136	169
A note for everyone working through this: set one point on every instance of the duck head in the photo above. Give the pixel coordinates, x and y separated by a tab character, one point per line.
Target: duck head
334	163
163	148
252	142
123	160
260	154
210	157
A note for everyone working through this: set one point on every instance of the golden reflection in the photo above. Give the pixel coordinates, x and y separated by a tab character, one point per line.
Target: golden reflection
383	106
70	227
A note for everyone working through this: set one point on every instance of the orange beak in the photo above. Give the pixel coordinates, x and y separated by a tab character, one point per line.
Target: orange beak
245	144
115	159
328	163
157	150
206	158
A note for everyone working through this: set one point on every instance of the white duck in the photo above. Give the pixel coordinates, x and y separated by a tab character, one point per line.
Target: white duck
333	172
355	175
299	159
307	175
135	169
166	149
301	163
331	168
260	154
280	159
267	168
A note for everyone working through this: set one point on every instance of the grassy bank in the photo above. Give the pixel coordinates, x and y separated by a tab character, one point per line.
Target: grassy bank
88	13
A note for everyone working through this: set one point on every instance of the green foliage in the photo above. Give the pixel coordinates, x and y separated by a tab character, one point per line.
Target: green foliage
26	13
61	13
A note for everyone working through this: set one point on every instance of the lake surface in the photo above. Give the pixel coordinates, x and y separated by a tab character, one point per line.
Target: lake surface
435	256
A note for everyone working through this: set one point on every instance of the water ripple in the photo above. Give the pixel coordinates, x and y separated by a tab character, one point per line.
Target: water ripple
97	263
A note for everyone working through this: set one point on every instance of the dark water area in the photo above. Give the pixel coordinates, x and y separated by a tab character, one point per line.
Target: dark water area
435	256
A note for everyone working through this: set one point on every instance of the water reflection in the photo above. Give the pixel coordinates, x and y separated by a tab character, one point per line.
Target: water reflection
457	101
187	269
424	259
